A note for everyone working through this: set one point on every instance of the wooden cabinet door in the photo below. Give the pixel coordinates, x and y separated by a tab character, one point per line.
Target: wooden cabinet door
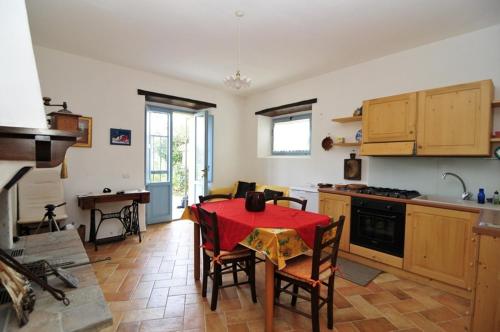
390	119
486	315
335	206
439	244
455	121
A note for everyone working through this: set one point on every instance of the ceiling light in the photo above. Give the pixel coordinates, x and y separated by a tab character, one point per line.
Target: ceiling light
237	81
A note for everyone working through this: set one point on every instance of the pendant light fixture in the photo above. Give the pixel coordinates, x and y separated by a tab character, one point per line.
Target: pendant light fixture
237	81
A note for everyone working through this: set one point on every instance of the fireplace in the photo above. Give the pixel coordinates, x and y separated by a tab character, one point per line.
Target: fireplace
20	150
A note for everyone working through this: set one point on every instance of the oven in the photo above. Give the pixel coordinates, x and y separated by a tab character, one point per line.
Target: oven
378	225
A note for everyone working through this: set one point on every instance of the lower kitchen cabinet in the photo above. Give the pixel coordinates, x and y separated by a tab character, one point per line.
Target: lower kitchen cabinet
439	244
486	316
335	206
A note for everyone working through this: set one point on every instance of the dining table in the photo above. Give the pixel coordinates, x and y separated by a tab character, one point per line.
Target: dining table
279	233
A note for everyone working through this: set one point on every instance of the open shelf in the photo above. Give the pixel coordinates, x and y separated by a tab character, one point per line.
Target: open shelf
495	140
347	144
495	103
348	119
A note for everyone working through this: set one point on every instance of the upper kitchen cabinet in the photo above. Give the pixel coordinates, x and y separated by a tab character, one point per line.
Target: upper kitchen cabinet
455	120
390	119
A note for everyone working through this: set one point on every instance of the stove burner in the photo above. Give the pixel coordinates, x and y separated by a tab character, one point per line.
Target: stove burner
389	192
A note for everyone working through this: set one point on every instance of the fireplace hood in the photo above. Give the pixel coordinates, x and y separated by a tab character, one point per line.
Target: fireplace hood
24	147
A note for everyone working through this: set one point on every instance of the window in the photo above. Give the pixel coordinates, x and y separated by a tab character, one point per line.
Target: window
158	146
291	135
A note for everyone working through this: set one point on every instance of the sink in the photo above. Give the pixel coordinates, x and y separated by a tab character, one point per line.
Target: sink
489	215
440	198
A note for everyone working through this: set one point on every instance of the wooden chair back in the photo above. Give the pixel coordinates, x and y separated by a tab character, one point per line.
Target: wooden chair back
209	229
207	198
326	247
302	202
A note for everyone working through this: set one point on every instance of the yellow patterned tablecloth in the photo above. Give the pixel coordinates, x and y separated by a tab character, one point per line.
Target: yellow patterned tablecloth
279	244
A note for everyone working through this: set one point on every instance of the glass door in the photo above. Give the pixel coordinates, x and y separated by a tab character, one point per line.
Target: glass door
158	164
203	154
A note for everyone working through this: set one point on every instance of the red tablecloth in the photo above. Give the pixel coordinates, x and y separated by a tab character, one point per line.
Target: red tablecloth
235	222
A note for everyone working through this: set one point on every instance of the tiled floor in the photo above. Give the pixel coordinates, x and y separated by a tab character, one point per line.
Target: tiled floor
150	287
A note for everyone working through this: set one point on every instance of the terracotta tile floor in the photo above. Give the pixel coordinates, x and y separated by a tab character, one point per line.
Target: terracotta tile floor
150	287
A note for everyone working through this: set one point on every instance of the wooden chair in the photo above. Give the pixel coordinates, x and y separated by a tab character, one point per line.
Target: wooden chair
302	202
309	273
240	259
208	198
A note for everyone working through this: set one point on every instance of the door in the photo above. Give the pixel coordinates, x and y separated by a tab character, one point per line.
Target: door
335	206
158	164
439	244
455	121
390	119
203	154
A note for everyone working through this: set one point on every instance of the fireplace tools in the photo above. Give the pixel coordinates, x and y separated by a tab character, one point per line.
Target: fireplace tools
61	273
18	267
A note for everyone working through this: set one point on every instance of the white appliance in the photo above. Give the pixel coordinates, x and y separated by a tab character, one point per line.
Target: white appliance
311	194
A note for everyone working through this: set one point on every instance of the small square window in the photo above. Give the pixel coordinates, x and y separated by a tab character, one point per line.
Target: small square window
291	135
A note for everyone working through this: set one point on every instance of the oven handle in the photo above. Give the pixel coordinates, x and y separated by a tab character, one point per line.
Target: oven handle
376	215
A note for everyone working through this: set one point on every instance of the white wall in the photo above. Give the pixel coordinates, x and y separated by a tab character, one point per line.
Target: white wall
21	102
470	57
108	93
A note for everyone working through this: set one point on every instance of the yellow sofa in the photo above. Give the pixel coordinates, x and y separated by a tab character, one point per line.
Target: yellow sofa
258	187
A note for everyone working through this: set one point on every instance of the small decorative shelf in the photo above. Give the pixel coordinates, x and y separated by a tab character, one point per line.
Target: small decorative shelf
495	140
347	144
495	103
348	119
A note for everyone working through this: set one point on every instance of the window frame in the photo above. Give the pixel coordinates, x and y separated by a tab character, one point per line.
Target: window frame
290	118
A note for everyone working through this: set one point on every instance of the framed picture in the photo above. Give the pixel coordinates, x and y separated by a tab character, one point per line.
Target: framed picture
85	129
120	136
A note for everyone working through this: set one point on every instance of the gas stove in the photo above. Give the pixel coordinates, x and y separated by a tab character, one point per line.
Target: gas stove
389	192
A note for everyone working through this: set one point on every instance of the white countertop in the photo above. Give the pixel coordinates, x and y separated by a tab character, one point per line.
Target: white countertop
456	201
306	188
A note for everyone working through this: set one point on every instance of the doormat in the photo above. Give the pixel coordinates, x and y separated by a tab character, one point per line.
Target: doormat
355	272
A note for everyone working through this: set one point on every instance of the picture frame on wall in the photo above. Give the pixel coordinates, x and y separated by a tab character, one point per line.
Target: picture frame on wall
120	136
85	129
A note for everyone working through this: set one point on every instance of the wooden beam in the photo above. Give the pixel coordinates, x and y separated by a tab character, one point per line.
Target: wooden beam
175	101
301	106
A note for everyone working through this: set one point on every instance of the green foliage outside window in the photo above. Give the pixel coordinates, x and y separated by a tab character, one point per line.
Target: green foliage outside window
179	171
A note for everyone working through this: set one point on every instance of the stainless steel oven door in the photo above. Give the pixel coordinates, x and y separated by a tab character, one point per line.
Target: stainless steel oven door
378	230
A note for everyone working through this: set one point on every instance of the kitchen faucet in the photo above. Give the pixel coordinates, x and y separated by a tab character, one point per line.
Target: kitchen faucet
465	194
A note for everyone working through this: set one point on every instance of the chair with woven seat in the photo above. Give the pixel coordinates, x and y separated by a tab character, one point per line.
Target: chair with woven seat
308	273
301	202
240	259
208	198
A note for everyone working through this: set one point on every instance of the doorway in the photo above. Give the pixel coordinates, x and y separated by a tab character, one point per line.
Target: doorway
178	160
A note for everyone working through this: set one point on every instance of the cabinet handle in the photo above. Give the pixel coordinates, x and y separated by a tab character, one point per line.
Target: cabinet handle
411	131
420	146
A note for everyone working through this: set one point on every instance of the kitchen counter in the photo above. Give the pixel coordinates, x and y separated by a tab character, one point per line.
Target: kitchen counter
436	201
87	311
